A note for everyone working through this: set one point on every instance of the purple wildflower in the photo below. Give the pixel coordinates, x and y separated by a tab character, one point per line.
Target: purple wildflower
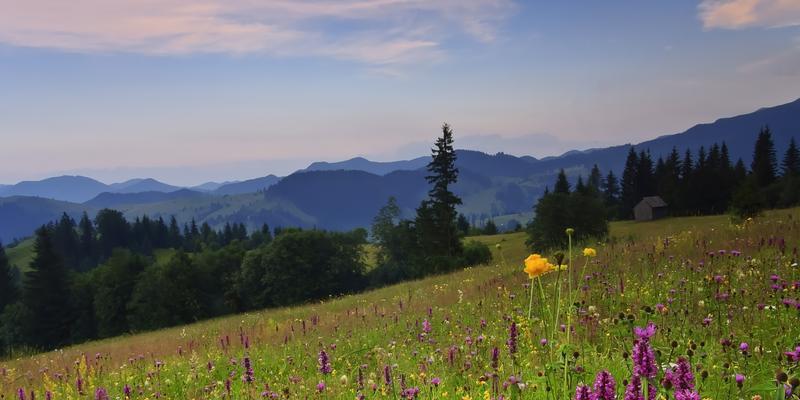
686	395
426	326
410	393
681	376
100	394
321	386
436	381
387	375
495	357
512	338
605	388
324	363
645	333
644	360
582	392
634	390
249	376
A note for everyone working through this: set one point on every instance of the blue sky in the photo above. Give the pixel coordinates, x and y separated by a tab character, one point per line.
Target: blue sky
191	91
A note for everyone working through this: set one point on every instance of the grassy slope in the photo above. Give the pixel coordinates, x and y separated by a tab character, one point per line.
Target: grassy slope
381	327
21	255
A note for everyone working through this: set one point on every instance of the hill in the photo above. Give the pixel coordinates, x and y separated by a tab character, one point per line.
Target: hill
348	194
21	215
247	186
439	334
66	188
120	200
373	167
141	185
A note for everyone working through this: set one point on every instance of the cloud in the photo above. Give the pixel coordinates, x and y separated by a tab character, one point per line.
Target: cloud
783	64
738	14
374	32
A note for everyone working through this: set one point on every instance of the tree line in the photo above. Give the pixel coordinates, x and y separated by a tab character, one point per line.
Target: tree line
107	276
701	183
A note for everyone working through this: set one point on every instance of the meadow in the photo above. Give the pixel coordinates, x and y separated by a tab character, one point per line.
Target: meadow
685	307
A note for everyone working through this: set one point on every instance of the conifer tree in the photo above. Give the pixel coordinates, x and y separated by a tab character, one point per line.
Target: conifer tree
437	215
791	159
45	294
764	165
8	290
595	179
611	194
630	189
562	184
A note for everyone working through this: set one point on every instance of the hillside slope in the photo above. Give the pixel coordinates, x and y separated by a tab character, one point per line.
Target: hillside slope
438	334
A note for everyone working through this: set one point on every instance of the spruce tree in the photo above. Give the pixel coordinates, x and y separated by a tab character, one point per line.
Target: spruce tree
46	293
562	184
630	190
764	164
437	215
8	289
611	190
791	159
88	245
595	179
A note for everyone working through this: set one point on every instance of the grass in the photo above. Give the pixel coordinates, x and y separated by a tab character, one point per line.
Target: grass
661	272
21	255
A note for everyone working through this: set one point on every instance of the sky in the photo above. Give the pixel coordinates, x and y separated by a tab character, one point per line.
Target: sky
192	91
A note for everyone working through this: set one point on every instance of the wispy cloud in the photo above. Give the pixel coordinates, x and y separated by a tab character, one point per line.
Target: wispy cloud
738	14
374	32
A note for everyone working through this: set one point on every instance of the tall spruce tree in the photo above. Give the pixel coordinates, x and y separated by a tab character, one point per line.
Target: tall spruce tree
437	215
764	164
595	179
88	243
791	160
630	190
8	289
611	194
45	294
562	184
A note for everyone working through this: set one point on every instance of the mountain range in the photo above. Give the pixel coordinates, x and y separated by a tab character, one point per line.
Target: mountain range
347	194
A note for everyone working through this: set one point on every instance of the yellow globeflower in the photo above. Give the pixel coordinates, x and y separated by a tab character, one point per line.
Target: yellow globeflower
589	252
536	265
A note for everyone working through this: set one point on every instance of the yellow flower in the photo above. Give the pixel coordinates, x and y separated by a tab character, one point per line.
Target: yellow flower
589	252
536	265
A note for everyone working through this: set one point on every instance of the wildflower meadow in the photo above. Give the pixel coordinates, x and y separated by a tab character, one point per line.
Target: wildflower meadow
692	308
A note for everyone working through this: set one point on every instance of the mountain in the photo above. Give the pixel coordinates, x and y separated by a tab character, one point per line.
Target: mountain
67	188
211	186
348	194
248	186
118	200
21	215
141	185
738	132
373	167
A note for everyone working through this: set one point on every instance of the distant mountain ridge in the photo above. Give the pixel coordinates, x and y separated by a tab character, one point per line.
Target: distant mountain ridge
347	194
373	167
247	186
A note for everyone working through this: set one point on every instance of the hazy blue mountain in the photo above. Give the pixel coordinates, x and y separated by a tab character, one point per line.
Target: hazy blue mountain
211	186
21	215
738	132
141	185
67	188
118	200
338	198
248	186
373	167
